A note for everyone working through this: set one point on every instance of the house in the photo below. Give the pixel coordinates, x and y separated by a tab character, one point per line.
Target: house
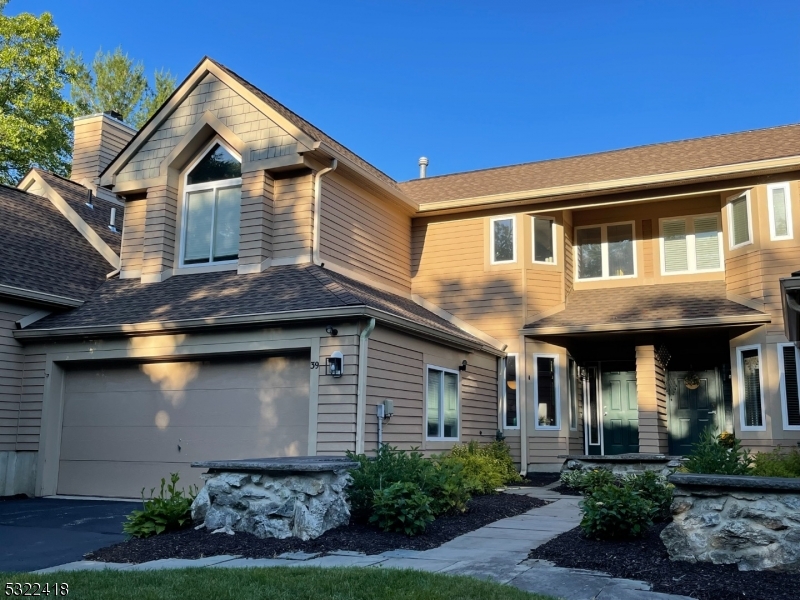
275	290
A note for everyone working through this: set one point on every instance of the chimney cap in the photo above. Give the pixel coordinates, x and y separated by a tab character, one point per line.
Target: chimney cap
113	114
423	161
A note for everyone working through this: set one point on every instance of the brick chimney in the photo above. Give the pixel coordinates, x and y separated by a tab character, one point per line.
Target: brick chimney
98	140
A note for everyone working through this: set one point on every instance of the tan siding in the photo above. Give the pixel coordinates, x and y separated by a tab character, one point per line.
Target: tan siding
777	263
364	233
133	231
513	441
255	242
544	290
569	254
11	372
293	221
743	275
159	250
98	140
651	397
30	413
647	247
262	135
336	409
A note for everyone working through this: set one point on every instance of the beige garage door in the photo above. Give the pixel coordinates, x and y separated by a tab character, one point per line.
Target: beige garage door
128	425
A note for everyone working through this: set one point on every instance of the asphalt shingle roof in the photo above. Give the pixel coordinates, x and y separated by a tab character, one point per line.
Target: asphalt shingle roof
645	303
41	250
227	293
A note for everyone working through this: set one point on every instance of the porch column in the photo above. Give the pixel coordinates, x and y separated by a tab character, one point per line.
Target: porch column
651	393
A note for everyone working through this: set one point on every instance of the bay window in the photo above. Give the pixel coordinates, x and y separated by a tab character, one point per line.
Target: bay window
779	204
741	229
544	247
503	242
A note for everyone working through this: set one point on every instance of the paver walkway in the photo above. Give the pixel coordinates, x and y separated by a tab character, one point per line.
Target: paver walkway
498	552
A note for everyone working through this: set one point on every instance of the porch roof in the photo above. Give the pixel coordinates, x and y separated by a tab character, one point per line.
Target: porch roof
648	307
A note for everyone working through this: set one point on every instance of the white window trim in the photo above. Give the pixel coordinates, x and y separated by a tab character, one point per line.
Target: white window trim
441	438
604	252
740	381
784	401
210	185
557	378
575	388
788	196
731	199
505	396
533	241
691	252
491	239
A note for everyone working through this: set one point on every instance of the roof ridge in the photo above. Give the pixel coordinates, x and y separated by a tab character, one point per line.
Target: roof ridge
602	152
332	286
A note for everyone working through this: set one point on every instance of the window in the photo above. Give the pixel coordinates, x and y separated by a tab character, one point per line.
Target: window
739	220
546	393
751	401
544	248
691	245
605	251
442	404
211	208
572	383
780	211
789	359
503	243
511	399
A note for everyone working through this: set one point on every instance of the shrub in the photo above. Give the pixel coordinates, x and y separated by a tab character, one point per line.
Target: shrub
166	512
573	479
483	473
711	456
777	463
586	480
501	452
447	489
402	507
654	488
611	512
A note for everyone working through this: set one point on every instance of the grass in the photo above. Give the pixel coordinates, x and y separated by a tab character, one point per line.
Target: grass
275	583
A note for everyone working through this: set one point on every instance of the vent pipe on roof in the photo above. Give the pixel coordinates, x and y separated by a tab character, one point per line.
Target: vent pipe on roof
112	222
89	201
423	167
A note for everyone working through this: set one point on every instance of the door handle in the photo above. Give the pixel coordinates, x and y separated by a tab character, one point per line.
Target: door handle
712	412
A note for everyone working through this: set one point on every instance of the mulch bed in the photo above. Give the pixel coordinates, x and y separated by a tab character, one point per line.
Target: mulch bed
356	537
646	559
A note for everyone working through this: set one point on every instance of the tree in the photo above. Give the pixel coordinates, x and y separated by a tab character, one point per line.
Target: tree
115	82
35	120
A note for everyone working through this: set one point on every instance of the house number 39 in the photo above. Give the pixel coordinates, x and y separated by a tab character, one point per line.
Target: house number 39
314	365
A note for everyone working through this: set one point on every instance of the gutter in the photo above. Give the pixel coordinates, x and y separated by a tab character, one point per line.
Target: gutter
361	410
42	297
317	207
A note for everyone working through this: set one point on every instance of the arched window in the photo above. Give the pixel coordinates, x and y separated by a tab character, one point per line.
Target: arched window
211	207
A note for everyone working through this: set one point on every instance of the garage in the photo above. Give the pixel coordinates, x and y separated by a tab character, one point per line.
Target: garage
125	426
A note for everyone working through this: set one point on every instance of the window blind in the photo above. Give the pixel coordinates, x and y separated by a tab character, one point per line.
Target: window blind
740	225
780	222
706	243
790	389
676	253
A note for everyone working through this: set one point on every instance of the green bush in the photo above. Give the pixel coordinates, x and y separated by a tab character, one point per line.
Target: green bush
447	489
402	507
501	452
654	488
777	463
586	480
168	511
573	479
483	473
612	512
713	457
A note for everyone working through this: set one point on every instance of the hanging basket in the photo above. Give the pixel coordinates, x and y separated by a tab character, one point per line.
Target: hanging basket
691	381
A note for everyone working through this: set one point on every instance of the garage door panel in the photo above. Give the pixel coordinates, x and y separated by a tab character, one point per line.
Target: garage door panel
126	422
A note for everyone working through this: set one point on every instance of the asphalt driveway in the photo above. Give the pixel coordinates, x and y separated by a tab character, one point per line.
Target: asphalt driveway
36	533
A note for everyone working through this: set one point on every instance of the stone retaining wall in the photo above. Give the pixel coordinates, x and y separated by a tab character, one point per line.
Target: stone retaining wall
752	522
624	464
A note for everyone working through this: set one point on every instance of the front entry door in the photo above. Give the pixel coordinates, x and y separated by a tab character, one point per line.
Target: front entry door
693	410
620	412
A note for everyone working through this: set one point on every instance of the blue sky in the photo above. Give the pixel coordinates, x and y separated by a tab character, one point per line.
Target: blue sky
476	84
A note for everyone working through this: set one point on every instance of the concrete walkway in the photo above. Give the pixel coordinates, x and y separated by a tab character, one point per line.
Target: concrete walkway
498	552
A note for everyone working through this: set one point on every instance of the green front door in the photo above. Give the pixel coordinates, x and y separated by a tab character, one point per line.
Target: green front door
693	410
620	412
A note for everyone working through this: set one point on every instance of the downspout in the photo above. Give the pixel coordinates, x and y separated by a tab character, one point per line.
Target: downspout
361	407
317	207
523	405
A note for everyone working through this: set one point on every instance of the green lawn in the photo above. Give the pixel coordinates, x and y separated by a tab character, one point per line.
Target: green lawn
277	583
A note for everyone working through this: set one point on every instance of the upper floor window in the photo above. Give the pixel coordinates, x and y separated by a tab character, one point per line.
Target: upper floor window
780	211
211	207
605	251
691	245
739	224
544	247
503	240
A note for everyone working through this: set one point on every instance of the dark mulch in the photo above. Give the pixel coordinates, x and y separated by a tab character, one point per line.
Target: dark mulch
646	559
565	490
538	480
357	537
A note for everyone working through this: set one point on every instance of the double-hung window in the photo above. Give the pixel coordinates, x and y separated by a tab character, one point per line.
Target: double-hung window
779	204
546	391
503	240
211	208
691	244
751	386
442	404
544	247
739	222
511	398
605	251
789	360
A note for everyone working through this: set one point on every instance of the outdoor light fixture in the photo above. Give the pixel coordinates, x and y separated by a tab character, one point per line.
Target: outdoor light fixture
331	330
462	366
335	364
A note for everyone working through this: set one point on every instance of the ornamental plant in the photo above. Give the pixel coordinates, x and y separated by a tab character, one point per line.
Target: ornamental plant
652	487
777	463
168	511
710	456
611	513
402	507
